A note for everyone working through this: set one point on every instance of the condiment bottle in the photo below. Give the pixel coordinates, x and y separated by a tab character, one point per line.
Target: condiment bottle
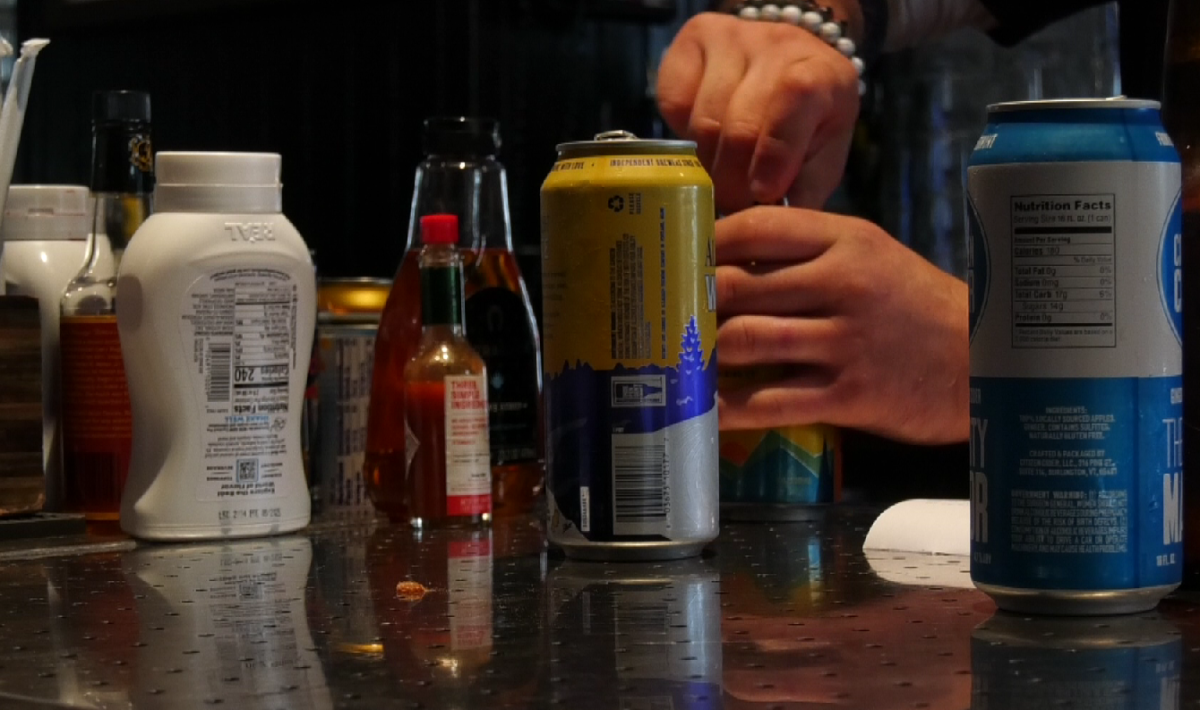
445	396
45	231
216	302
96	419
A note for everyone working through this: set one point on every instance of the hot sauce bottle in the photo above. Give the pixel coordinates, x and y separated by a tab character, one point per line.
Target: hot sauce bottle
449	479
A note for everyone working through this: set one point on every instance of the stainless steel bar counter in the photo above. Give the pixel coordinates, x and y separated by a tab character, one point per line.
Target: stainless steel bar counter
365	615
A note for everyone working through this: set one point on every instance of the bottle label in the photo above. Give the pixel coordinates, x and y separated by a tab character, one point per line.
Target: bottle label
96	415
240	326
499	329
468	462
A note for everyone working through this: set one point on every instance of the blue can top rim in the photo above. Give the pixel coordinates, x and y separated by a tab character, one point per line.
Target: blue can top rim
1115	103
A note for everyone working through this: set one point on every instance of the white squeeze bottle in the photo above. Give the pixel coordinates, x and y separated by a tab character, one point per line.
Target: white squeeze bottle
44	231
216	306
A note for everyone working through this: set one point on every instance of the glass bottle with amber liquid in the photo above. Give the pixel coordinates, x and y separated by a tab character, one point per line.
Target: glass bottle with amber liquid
96	415
460	175
448	482
1181	117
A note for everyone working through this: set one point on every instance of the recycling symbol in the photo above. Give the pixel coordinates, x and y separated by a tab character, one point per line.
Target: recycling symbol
616	203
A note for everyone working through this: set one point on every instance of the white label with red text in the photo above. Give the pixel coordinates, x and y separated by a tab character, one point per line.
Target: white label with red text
468	456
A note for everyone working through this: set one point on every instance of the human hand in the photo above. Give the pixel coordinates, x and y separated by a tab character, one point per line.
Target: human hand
875	337
771	107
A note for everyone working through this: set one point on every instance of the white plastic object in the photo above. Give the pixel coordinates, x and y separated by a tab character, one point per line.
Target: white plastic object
44	230
770	13
216	307
830	32
812	21
859	66
845	45
791	14
940	527
749	13
12	115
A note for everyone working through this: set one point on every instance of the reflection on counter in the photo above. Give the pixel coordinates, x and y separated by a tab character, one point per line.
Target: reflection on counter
1102	662
635	635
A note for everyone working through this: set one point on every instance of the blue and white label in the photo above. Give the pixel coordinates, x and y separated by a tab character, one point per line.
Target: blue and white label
977	267
1170	274
1076	484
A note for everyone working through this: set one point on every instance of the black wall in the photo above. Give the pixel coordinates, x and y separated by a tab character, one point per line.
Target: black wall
340	90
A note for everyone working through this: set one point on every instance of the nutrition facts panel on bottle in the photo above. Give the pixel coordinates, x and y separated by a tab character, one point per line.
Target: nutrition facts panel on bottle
1064	271
240	326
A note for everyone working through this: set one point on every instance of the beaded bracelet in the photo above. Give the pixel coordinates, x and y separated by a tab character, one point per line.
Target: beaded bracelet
812	17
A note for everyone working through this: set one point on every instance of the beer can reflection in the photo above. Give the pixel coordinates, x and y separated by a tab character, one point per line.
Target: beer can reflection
636	635
1122	662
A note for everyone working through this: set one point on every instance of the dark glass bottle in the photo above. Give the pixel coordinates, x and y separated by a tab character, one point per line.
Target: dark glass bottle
96	415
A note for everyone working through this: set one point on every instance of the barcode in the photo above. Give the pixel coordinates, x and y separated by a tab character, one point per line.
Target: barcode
585	509
639	485
219	380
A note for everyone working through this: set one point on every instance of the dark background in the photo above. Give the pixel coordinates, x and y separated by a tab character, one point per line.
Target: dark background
340	90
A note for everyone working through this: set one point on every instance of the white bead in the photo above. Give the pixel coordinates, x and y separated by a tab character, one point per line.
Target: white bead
845	45
791	15
830	32
862	87
770	13
859	66
812	21
749	13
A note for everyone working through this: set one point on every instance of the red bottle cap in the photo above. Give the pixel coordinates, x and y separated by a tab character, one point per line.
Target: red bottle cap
439	229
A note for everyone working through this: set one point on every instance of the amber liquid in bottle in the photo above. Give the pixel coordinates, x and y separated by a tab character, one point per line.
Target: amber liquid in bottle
1181	117
396	342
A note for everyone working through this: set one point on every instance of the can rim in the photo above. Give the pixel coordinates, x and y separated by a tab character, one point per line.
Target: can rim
625	146
1113	103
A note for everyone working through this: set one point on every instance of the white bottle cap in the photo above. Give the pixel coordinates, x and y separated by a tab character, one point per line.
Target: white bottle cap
236	183
45	213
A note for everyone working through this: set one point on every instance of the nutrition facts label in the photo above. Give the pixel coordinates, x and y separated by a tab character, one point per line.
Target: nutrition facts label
1064	271
241	328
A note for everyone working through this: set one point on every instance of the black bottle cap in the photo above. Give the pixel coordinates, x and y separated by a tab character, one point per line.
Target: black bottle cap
120	106
122	148
461	136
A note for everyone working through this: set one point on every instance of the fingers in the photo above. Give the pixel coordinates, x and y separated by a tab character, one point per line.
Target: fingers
742	125
773	290
772	340
799	400
679	81
778	234
724	67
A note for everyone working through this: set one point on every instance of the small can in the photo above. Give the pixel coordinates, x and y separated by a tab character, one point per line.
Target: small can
636	635
629	294
780	474
1076	372
348	312
1126	662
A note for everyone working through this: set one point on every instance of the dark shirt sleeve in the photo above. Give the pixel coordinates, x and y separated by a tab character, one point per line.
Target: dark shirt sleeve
1017	19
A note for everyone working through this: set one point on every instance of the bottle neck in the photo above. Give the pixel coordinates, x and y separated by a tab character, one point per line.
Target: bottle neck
475	189
122	158
441	289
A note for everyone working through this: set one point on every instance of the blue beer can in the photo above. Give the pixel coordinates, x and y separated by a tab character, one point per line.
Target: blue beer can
1076	388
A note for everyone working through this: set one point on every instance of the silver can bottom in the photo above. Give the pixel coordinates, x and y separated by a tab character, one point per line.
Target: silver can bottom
652	551
1076	602
773	512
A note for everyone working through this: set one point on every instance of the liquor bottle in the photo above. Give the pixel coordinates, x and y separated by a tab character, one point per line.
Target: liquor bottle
448	482
1181	116
461	176
96	416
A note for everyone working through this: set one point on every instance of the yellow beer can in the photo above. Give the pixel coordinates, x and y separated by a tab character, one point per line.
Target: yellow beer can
629	310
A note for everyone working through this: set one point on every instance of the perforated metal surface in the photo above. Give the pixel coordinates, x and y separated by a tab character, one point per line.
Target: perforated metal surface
780	616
